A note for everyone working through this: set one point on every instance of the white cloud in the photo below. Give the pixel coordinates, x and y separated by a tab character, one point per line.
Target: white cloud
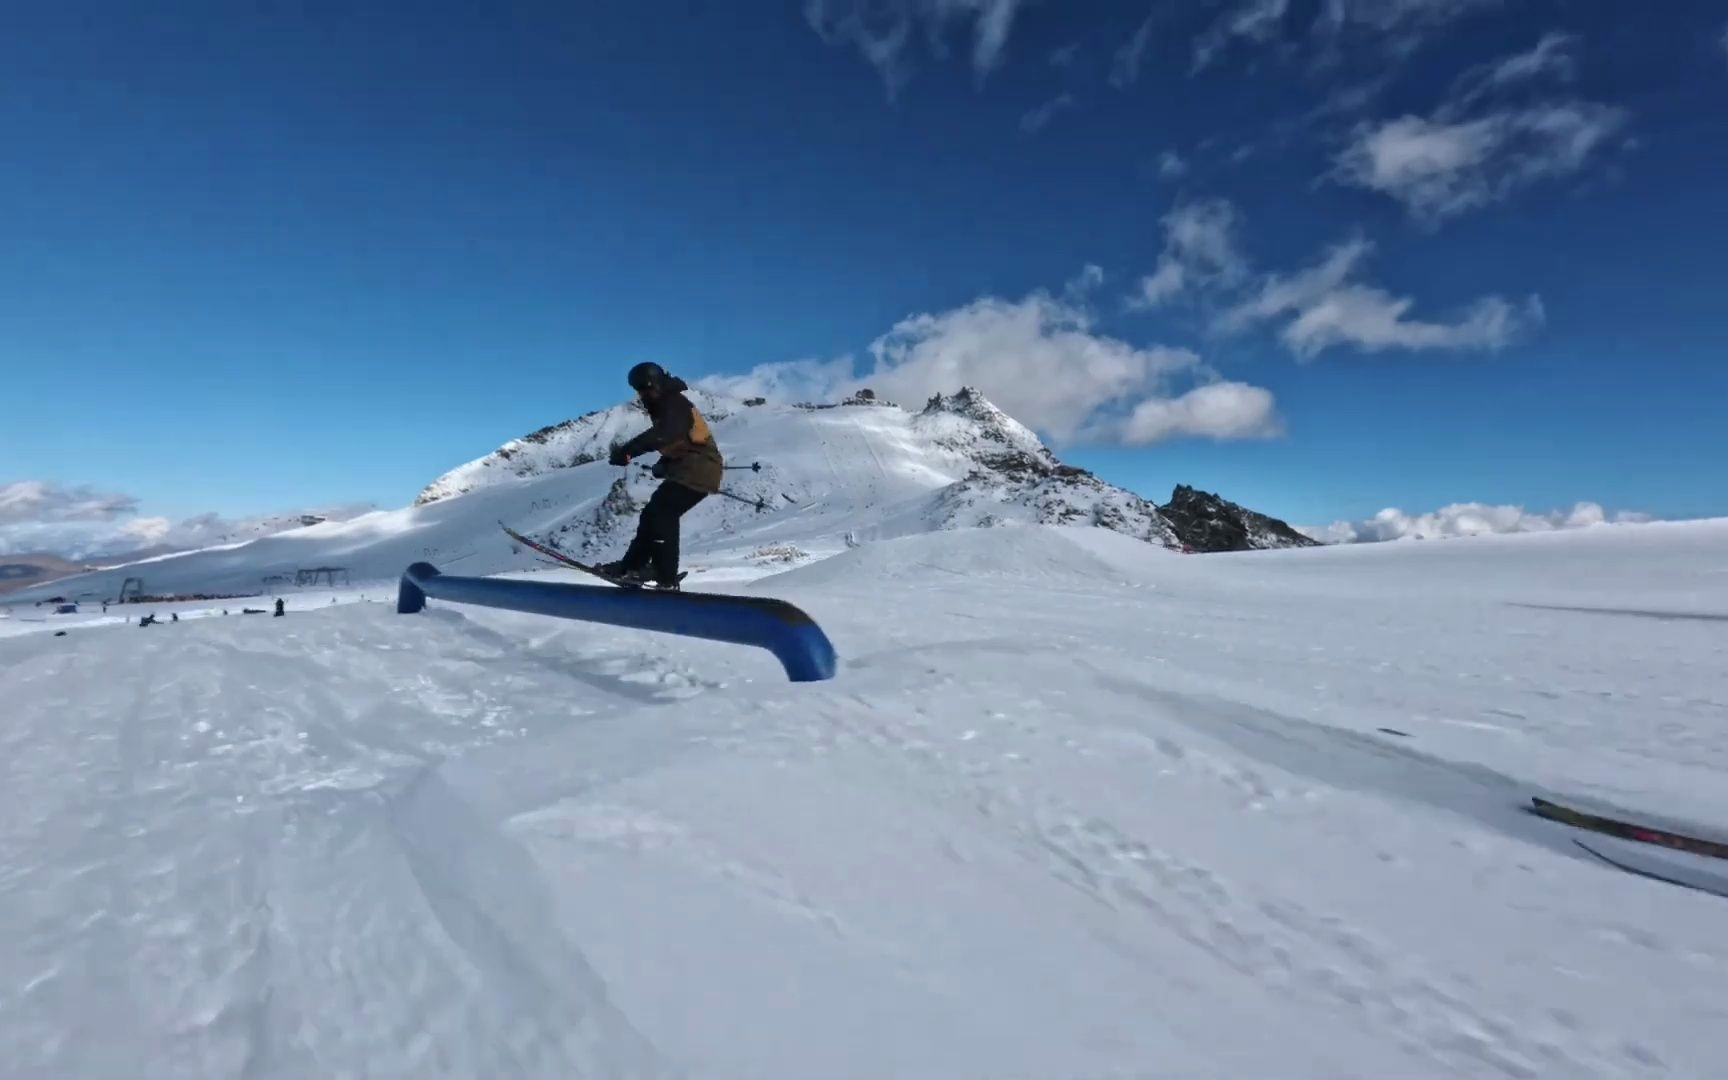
1220	410
1320	307
1171	165
1440	168
883	33
28	501
1037	119
1064	56
1324	308
1041	359
787	380
1200	250
1037	358
1480	146
83	523
1465	519
1125	65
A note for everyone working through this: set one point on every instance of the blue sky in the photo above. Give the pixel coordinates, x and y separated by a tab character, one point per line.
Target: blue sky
1324	256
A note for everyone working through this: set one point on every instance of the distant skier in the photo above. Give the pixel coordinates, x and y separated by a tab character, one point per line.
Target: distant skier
279	607
690	464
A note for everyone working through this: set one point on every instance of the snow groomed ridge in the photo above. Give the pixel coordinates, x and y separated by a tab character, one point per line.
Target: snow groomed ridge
782	628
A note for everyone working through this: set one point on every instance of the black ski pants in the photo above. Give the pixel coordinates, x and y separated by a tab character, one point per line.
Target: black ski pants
656	539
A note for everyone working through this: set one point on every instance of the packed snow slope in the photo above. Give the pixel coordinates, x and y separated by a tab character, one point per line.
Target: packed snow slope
1073	807
829	476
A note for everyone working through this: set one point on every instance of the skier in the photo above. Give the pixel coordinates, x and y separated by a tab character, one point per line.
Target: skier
690	467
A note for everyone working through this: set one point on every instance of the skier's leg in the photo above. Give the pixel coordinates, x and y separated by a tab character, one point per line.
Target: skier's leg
675	500
641	550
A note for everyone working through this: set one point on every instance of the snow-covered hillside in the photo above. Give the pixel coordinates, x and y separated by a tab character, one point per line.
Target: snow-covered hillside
1072	807
829	477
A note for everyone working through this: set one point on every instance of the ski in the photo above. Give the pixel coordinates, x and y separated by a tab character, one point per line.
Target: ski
1626	830
565	560
1656	870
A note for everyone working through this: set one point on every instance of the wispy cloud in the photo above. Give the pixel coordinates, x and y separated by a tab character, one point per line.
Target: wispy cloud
1384	30
1553	57
1125	65
1037	119
1465	519
1043	360
1321	306
1447	165
1200	250
1486	141
1065	56
80	522
809	379
1395	27
1316	308
1171	165
1255	21
884	33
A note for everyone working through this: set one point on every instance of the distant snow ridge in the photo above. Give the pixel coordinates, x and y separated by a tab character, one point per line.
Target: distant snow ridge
960	462
587	438
830	477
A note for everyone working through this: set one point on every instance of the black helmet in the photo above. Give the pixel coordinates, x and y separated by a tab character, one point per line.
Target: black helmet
647	376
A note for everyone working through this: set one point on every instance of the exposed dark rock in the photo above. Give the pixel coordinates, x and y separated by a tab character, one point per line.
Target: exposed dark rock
1207	523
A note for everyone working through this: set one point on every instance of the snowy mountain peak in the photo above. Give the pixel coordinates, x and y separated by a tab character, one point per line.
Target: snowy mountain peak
804	482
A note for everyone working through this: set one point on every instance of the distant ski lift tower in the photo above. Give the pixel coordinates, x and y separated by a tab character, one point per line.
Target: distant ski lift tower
136	585
312	575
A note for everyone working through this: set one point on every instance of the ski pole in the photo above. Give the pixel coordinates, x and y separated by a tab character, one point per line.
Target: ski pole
755	466
759	504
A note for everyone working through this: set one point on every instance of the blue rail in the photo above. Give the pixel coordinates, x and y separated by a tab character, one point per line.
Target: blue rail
792	636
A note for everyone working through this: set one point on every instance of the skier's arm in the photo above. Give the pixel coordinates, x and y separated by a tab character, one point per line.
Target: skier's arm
673	423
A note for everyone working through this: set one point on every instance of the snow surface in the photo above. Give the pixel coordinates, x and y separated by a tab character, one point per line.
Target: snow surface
1073	807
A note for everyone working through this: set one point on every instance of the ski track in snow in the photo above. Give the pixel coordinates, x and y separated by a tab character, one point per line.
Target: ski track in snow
1078	815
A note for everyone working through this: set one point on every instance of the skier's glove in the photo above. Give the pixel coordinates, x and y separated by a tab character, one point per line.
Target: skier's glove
659	469
619	457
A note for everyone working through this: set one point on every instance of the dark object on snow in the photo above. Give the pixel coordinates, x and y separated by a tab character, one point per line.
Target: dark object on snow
174	617
1628	830
1395	731
59	633
253	611
148	620
690	467
1207	523
279	607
